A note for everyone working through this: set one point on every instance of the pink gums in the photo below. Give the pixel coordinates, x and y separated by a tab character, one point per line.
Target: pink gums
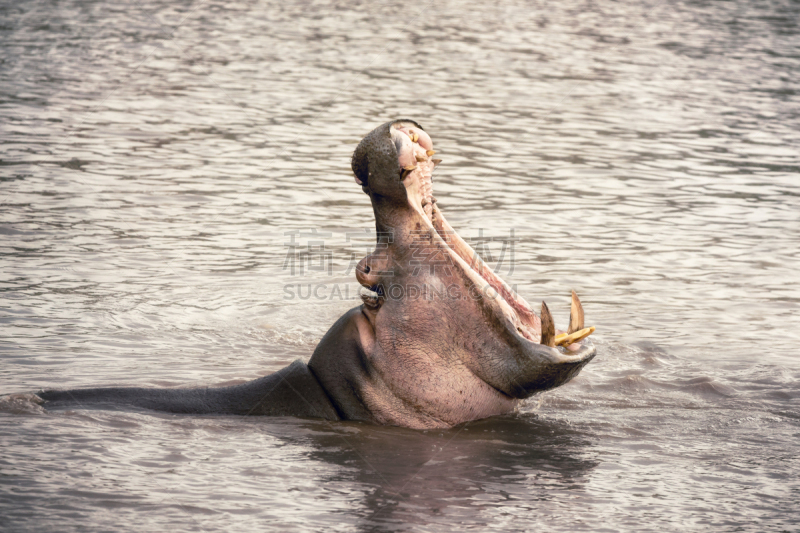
415	155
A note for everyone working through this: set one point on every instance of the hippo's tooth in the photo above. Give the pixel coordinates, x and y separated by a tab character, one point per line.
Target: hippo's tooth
575	315
565	339
436	162
371	298
419	158
414	137
430	152
548	328
373	302
406	171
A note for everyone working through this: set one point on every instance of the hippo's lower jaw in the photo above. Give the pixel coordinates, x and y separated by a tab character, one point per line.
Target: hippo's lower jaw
415	151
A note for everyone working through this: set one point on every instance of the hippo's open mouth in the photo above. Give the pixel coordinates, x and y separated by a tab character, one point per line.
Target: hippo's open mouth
415	152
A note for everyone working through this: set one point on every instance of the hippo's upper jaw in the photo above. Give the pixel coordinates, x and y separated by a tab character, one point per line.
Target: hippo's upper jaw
444	339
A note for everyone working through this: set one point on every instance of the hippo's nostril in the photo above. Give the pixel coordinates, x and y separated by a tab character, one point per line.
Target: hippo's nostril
367	269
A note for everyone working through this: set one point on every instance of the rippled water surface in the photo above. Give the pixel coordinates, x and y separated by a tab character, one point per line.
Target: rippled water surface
175	179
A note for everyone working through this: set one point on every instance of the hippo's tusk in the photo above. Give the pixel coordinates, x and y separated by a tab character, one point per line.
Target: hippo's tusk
430	152
436	162
565	339
575	315
548	328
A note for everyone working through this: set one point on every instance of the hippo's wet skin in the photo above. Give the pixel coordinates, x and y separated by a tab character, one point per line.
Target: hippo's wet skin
440	340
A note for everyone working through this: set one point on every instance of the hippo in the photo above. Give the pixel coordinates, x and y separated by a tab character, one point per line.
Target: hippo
439	339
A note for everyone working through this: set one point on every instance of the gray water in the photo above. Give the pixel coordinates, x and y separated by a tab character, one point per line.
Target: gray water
159	159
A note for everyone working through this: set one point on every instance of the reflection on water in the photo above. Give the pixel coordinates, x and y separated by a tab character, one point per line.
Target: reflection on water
445	477
164	166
